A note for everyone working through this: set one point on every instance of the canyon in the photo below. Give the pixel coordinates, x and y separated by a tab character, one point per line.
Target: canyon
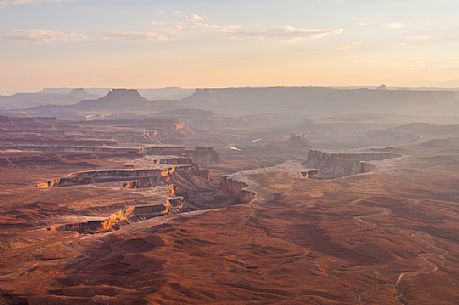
141	208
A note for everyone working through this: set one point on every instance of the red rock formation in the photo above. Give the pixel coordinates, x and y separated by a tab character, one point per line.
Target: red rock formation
344	164
172	205
236	188
154	176
310	173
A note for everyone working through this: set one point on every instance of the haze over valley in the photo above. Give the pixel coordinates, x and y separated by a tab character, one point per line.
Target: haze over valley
252	152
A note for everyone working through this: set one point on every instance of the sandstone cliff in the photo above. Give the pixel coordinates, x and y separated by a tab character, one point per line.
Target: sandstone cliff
237	188
331	165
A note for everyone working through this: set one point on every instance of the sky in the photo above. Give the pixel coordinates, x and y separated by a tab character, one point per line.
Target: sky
216	43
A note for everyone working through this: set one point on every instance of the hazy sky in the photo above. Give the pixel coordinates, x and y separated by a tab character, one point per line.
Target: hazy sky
216	43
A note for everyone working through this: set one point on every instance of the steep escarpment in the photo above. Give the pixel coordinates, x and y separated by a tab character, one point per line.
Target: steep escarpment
28	160
321	100
234	186
171	204
116	220
332	165
148	176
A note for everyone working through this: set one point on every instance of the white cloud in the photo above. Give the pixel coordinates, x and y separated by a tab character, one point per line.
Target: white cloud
153	36
201	26
43	36
177	28
193	25
194	17
395	25
230	28
286	32
420	37
363	24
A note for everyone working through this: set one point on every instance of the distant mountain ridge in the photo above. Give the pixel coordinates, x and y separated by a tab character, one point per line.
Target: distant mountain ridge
117	103
27	100
167	93
323	100
299	101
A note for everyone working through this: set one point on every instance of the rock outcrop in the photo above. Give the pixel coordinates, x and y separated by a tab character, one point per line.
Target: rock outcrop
311	173
332	165
116	100
172	205
132	178
237	188
151	176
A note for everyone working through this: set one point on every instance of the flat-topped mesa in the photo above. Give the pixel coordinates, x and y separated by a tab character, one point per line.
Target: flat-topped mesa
132	178
117	100
99	150
170	154
81	93
361	156
77	91
151	176
105	150
333	165
123	94
326	101
172	204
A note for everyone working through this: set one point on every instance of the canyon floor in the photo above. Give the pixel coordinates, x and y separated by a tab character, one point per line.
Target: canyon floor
388	236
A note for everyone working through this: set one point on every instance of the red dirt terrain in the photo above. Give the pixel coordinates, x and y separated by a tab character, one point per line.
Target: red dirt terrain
384	236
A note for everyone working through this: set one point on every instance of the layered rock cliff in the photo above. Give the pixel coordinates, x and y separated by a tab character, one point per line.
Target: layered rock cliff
332	165
237	188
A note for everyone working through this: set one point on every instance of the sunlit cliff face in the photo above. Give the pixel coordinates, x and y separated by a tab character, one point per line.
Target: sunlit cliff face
47	184
167	172
170	191
117	218
42	185
179	125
